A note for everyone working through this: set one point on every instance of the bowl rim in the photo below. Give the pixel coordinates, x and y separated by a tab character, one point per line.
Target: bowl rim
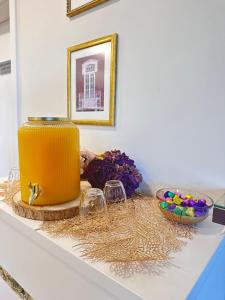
191	191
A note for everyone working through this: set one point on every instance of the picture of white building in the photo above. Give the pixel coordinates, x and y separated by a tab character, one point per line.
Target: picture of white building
90	99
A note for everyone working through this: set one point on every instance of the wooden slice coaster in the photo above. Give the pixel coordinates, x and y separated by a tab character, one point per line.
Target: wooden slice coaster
45	213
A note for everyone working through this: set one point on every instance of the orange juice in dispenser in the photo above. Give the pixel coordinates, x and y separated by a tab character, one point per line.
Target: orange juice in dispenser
49	159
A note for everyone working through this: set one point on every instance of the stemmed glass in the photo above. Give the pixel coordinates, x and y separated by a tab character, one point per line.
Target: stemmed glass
114	192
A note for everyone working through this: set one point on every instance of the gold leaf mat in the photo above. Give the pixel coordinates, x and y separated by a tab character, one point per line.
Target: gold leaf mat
8	190
132	238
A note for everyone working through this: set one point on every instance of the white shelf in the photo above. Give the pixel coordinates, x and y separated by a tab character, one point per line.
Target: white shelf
50	268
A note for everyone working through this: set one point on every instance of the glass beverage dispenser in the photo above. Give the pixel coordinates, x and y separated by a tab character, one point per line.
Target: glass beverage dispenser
49	158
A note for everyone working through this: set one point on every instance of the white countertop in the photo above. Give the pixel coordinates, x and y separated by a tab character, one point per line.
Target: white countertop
174	282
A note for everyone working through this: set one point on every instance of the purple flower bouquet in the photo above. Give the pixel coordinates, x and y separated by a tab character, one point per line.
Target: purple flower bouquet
113	165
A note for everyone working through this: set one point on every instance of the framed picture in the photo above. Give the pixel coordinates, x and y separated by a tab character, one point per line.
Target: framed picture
91	78
75	7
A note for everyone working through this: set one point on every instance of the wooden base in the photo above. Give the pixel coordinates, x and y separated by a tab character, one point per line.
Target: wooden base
45	213
48	213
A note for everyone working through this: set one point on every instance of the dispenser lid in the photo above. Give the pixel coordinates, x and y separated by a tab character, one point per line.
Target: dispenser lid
47	119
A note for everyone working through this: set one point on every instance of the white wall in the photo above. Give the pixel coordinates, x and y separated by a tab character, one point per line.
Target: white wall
8	91
170	84
8	122
4	42
4	11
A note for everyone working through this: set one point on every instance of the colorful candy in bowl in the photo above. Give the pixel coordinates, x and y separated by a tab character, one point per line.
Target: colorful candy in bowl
183	206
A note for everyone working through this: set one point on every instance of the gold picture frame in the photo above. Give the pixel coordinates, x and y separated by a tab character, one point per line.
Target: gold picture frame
92	51
90	4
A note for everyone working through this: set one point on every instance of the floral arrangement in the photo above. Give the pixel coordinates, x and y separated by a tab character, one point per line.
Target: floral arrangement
111	165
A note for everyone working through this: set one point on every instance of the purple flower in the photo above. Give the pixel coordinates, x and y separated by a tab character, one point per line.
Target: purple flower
117	157
129	182
115	165
98	172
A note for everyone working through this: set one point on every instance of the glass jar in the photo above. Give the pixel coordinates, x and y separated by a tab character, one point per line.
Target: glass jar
49	158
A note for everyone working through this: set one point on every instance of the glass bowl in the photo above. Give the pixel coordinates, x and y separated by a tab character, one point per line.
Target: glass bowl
184	206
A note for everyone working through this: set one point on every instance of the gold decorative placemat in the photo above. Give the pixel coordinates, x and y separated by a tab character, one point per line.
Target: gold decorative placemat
133	232
132	237
8	190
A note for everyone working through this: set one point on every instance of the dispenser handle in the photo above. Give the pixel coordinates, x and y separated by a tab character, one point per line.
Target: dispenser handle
34	192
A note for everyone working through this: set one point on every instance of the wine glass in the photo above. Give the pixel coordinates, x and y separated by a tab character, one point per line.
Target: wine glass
114	192
93	202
